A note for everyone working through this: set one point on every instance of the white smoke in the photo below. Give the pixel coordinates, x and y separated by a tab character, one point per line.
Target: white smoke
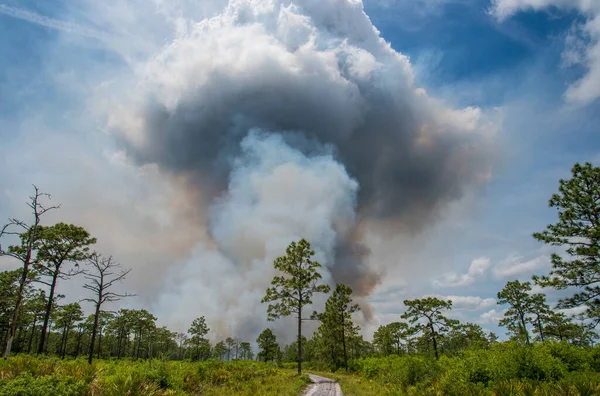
275	195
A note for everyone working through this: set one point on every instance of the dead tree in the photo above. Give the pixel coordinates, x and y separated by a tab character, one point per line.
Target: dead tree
100	279
24	252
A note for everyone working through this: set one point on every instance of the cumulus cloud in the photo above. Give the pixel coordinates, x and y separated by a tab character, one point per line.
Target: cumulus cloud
492	316
477	269
467	303
517	267
575	311
582	44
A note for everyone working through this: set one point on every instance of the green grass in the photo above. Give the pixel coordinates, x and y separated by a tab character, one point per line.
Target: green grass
31	376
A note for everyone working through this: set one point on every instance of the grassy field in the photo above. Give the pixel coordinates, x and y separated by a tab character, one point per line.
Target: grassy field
31	376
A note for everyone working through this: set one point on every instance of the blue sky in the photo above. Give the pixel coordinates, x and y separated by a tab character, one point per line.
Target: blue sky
63	66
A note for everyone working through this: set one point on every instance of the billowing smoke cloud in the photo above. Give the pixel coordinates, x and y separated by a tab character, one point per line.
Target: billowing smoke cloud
276	194
293	120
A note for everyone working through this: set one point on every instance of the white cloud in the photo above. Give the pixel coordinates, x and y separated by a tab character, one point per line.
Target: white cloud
573	311
515	267
476	270
492	316
583	45
468	303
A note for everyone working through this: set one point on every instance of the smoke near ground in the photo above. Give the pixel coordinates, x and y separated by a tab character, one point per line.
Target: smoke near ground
275	195
292	120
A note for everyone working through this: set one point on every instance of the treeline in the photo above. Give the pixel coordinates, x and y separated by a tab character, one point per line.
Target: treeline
427	331
131	333
32	319
425	327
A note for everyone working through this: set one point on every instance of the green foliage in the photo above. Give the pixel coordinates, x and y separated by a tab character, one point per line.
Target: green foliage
516	294
293	290
507	368
578	231
267	342
389	339
56	385
426	316
198	331
26	375
61	243
336	327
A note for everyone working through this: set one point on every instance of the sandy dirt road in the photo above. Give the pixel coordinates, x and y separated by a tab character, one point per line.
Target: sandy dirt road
323	387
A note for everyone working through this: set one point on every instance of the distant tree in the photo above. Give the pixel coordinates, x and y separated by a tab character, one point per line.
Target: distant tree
24	252
67	316
142	324
578	230
9	286
466	335
59	244
516	294
293	291
245	350
180	338
540	313
267	343
198	331
290	351
427	314
336	321
231	344
561	327
36	307
399	332
383	339
359	347
220	349
104	273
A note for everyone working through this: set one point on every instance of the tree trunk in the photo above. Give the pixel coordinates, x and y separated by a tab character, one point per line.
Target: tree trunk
525	329
47	314
79	337
119	342
139	345
15	316
32	334
344	346
99	344
435	349
94	330
19	340
62	343
299	332
541	329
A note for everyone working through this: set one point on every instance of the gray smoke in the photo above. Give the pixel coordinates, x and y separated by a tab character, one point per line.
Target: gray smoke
308	85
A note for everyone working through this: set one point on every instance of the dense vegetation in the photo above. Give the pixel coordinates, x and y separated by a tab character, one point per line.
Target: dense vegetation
25	375
425	351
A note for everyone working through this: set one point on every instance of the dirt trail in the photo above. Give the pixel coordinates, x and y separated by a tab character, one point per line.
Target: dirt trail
323	387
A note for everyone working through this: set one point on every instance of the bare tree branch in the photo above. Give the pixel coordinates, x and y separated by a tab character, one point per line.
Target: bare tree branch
23	252
100	279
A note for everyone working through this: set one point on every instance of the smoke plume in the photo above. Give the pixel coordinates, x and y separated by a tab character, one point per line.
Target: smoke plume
292	119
